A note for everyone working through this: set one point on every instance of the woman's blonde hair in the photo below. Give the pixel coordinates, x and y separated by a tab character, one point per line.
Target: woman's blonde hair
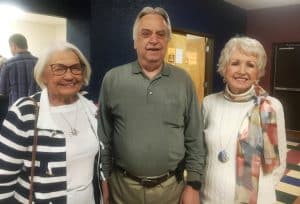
246	45
43	61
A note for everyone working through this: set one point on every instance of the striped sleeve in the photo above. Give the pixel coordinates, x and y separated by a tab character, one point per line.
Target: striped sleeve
14	142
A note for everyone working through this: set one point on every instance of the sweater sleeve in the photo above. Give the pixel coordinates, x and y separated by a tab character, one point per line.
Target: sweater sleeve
13	146
282	145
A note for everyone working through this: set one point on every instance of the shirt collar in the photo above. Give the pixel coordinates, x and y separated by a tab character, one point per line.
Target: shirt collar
136	69
45	120
23	52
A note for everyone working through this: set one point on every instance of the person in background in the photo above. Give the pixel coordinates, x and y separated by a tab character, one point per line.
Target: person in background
3	99
149	123
67	144
244	130
2	60
16	78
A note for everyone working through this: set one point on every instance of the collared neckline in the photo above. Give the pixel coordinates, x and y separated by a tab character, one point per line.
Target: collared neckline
23	52
136	69
46	122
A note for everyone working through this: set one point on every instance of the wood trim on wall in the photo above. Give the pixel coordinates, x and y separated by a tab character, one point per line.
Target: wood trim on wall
293	135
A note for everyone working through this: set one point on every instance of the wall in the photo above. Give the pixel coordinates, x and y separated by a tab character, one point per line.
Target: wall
79	34
102	29
273	25
38	35
276	25
111	29
77	13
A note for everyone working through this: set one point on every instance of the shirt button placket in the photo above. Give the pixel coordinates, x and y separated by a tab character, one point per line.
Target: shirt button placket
149	93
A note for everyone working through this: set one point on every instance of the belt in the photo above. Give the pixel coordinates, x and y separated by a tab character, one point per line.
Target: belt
148	182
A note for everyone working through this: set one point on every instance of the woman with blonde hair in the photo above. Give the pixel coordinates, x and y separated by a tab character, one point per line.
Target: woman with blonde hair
244	130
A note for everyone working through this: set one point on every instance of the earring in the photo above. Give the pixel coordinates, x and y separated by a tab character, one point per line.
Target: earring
224	81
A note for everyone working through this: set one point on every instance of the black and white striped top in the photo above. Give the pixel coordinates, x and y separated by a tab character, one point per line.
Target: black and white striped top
16	138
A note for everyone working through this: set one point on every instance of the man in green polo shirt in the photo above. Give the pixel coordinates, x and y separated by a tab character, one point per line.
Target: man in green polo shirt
149	124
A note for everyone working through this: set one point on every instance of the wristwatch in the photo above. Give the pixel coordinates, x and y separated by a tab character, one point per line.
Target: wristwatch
195	185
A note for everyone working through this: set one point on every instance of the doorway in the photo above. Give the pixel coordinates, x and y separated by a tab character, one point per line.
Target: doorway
193	53
286	84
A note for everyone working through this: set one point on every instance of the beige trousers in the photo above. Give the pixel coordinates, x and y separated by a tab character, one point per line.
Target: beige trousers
124	190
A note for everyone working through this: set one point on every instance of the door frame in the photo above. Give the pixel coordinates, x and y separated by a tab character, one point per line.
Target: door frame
209	57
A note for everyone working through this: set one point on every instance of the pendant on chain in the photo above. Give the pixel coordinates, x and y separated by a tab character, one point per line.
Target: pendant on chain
74	132
223	156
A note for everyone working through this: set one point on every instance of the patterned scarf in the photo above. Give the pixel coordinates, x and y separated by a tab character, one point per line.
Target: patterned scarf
257	144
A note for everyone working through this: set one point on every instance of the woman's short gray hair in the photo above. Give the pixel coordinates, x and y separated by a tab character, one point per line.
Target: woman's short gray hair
150	10
43	61
246	45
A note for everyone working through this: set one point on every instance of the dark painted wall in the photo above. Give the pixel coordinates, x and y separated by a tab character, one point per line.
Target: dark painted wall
112	21
103	29
276	25
273	25
78	32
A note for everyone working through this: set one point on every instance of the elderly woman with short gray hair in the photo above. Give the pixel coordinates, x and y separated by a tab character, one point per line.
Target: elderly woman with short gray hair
244	130
67	145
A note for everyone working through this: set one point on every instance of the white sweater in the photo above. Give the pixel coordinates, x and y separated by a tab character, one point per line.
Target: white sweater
222	120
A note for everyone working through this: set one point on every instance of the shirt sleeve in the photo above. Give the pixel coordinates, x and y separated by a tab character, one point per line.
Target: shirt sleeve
4	86
194	137
13	140
105	129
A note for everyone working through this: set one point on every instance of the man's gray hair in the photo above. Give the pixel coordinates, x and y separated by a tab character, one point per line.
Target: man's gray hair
150	10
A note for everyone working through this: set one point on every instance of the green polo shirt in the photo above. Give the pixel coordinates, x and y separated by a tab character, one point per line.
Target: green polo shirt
148	126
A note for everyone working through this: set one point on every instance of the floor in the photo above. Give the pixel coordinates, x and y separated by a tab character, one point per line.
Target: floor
288	190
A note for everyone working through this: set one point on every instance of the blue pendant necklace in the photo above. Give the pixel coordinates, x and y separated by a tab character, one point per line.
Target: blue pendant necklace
223	155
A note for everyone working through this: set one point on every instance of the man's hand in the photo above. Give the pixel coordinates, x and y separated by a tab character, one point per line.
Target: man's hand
105	192
190	196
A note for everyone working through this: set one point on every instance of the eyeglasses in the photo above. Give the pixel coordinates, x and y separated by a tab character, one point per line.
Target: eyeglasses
61	69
